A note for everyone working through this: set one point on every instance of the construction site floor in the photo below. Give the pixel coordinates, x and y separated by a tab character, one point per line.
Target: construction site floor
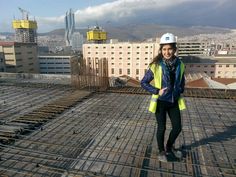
113	134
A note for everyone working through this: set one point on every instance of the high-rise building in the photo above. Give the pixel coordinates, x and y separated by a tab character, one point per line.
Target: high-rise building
77	41
25	29
70	27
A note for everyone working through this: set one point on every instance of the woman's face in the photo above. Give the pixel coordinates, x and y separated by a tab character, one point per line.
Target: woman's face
167	51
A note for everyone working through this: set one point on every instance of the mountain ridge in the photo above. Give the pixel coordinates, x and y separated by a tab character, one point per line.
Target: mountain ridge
140	32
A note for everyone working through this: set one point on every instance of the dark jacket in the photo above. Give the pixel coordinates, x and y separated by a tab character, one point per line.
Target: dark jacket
174	85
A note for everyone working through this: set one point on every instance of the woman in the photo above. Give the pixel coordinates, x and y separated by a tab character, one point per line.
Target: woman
167	71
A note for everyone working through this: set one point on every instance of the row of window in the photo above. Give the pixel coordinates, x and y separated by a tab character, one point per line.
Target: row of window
112	53
112	58
55	72
54	67
129	64
55	63
120	47
128	71
42	58
212	66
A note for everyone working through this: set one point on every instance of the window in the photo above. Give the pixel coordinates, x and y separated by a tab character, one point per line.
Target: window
137	71
227	66
120	71
128	71
120	47
220	66
112	70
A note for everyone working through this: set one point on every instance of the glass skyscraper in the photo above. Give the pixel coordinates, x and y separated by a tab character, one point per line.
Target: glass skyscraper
70	27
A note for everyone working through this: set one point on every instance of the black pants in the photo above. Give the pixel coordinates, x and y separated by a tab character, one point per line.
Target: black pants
173	111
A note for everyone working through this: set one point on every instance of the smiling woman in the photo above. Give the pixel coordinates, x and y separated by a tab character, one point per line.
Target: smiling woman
167	71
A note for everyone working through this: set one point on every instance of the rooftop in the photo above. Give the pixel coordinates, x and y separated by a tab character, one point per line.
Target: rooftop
207	59
60	131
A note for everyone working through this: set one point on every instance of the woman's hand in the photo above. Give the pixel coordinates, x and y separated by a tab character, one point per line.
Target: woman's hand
162	91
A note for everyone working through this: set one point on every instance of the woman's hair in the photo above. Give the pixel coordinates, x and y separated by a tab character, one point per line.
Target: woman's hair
159	56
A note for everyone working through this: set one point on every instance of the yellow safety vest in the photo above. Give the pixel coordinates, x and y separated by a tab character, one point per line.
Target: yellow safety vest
157	71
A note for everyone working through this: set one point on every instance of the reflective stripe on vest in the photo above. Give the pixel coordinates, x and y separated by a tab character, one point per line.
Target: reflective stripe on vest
157	71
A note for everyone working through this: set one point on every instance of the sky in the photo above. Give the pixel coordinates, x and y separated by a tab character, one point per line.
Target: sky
49	14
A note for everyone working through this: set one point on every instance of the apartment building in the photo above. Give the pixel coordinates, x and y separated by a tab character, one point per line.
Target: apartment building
215	67
20	57
186	48
131	59
55	63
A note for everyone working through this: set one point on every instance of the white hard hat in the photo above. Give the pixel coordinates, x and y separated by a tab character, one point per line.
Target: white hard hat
168	38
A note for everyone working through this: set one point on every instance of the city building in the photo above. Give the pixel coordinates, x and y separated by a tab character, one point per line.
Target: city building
55	63
215	67
193	48
20	57
25	29
131	59
70	27
77	41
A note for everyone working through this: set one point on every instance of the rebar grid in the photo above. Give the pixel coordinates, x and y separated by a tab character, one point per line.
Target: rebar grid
113	134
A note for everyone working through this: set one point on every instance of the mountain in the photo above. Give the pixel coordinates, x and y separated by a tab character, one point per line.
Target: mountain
140	32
